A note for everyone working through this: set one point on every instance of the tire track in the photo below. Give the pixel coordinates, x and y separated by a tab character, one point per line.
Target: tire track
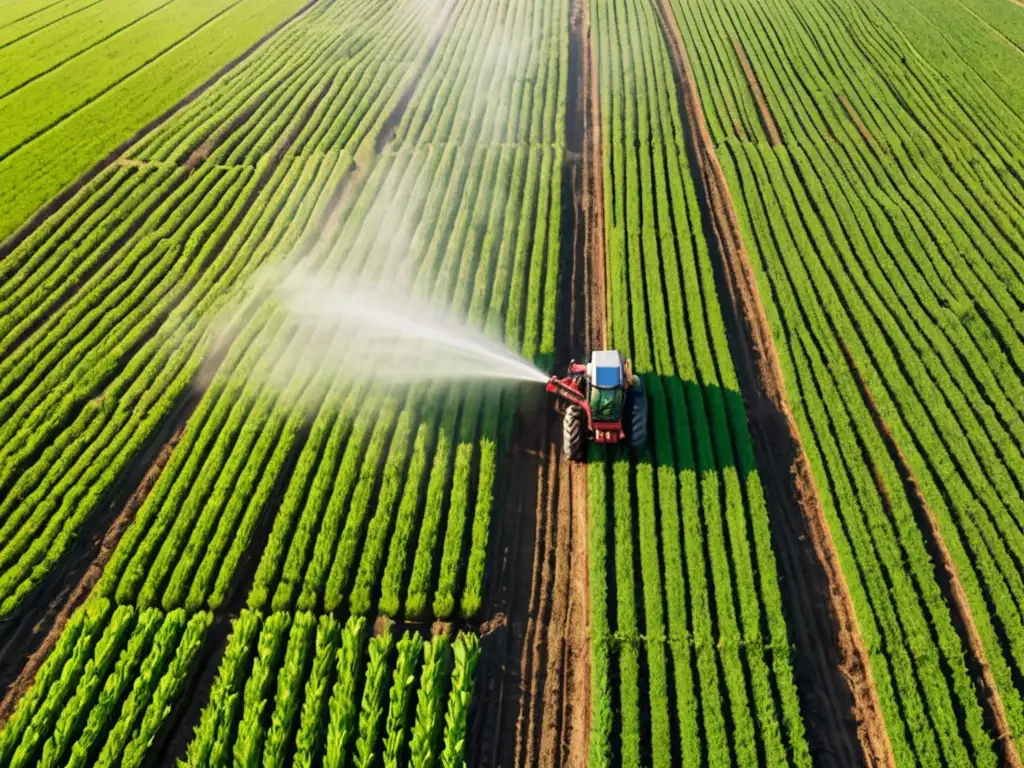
553	721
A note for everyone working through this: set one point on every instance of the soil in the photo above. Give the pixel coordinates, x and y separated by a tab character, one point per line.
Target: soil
205	149
831	663
498	690
861	128
755	90
553	727
948	578
534	708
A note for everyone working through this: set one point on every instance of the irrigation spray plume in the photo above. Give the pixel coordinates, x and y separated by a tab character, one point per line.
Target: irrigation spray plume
356	332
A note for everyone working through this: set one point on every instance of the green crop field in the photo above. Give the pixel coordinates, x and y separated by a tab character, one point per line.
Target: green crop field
802	222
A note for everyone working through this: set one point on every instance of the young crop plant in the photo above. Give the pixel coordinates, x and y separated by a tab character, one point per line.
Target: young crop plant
106	689
400	697
343	706
425	746
289	690
371	714
466	652
248	745
312	721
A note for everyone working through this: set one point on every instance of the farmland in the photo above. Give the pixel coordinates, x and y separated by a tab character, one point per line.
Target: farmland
79	79
802	222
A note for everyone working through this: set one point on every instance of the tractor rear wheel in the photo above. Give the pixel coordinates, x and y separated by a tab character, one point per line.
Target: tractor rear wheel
636	404
573	437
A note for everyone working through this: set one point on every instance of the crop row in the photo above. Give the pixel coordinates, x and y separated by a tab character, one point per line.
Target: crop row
105	689
381	480
108	311
689	642
30	56
297	690
887	237
60	124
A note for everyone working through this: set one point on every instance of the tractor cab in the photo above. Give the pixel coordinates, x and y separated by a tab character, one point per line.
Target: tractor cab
606	377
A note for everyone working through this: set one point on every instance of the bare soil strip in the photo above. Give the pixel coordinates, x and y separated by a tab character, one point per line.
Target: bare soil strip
220	134
948	578
564	685
545	719
575	659
855	117
537	691
593	188
499	694
553	720
16	237
755	90
831	662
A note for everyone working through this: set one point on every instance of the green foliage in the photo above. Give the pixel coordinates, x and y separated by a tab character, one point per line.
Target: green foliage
371	714
343	707
466	650
424	746
309	739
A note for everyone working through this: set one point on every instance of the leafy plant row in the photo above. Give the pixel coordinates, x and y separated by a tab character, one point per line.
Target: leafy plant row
692	652
62	121
895	244
106	688
383	480
109	305
332	694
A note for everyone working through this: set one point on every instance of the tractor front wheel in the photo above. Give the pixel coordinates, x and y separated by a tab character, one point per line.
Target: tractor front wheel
637	413
573	433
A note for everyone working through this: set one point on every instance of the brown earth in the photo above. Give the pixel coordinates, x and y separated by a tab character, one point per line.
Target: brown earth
831	662
553	726
755	90
535	703
738	129
553	722
498	693
947	576
855	117
203	151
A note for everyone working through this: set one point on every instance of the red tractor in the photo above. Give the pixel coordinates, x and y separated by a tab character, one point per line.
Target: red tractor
604	402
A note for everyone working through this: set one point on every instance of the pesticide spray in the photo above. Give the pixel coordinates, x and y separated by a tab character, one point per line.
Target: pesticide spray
342	329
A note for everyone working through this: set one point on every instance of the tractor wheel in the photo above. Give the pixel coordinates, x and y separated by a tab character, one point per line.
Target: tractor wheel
637	407
573	437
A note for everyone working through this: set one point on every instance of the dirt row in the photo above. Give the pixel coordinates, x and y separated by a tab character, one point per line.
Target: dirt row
755	90
534	693
831	663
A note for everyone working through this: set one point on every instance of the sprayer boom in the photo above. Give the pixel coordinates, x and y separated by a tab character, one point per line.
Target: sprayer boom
566	389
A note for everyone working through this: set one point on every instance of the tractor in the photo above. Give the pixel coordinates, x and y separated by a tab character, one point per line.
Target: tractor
601	401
